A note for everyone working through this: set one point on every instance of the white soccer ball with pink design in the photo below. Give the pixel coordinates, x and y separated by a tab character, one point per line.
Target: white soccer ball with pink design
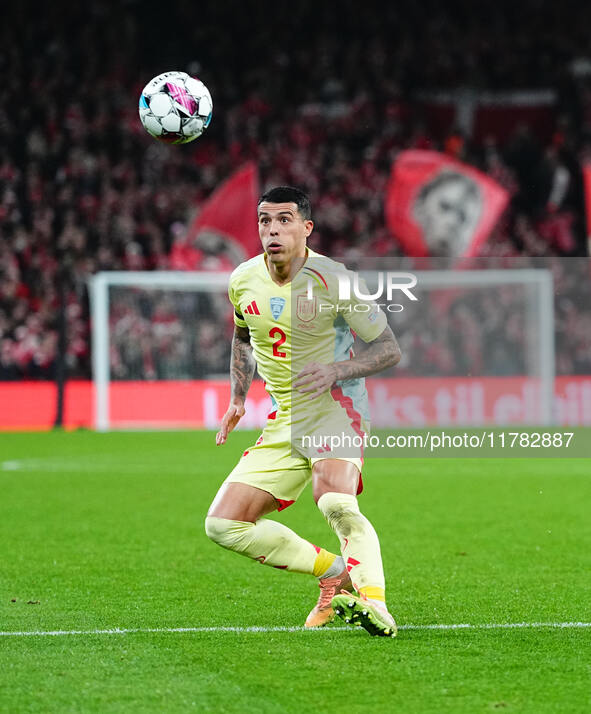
175	107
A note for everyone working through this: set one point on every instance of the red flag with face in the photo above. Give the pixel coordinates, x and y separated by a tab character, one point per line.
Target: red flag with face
228	219
437	206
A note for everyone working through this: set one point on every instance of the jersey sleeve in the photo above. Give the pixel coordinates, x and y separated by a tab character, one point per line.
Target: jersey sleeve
363	316
238	317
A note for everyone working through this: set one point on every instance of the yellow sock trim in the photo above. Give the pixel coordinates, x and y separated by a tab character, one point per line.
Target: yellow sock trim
323	561
373	593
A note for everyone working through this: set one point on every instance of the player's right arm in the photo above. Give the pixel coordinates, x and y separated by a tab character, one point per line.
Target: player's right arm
242	366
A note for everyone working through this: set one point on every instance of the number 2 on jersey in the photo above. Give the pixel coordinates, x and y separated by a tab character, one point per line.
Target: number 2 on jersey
277	331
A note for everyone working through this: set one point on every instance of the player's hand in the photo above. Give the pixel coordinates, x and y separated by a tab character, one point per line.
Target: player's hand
232	416
315	379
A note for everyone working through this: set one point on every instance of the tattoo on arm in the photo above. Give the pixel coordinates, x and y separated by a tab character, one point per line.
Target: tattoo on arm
242	364
381	353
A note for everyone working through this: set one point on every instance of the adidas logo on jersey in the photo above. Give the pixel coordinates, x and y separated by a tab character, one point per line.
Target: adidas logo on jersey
253	309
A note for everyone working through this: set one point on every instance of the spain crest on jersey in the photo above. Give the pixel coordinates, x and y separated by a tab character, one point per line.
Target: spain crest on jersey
305	308
277	305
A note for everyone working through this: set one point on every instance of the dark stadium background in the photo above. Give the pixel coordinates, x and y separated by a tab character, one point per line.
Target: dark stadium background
321	95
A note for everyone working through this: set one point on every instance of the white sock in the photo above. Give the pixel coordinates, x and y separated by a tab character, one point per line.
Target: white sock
336	568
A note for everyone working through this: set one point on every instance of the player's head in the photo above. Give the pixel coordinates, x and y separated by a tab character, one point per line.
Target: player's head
448	209
284	216
289	194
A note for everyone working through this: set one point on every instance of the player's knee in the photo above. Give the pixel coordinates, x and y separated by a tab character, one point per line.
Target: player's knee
219	530
225	532
214	528
341	511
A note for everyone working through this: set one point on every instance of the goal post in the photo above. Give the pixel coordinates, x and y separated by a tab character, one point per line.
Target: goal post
166	327
539	284
101	286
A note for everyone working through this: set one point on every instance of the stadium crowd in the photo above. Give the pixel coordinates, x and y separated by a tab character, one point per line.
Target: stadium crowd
83	188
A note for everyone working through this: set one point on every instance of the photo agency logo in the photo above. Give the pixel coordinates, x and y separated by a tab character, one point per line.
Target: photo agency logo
355	296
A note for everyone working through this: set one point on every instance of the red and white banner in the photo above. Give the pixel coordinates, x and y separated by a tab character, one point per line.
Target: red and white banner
394	402
474	401
437	206
226	225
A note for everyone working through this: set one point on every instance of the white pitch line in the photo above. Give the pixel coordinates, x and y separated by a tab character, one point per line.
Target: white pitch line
92	464
249	630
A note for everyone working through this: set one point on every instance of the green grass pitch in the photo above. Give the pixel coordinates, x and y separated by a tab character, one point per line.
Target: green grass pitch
104	531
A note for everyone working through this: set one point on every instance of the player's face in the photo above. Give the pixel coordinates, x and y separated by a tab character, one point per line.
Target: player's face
283	231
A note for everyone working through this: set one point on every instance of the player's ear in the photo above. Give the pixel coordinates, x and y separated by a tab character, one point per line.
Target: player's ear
309	225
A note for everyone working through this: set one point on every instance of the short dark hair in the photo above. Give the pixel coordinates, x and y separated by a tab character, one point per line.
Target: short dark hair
289	194
447	176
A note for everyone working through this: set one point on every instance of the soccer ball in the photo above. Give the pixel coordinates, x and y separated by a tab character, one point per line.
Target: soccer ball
175	107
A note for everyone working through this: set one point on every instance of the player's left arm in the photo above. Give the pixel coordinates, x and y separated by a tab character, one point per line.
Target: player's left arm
242	367
381	353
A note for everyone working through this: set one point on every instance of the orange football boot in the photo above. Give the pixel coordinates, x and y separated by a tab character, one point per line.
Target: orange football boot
323	613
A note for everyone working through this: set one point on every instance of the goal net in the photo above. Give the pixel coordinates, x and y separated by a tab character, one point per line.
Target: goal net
477	345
